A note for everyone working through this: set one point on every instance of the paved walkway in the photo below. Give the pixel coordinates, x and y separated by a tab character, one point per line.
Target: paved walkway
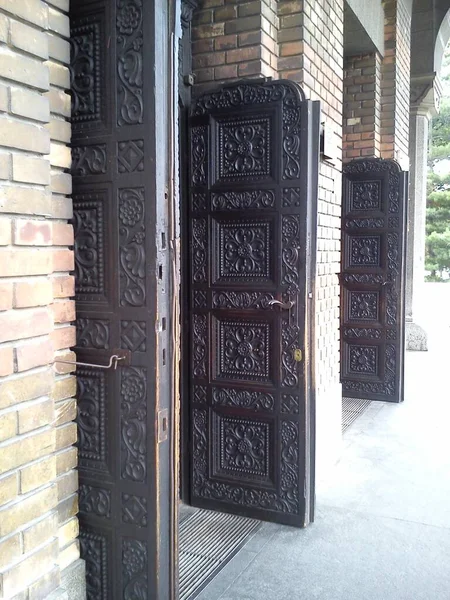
382	529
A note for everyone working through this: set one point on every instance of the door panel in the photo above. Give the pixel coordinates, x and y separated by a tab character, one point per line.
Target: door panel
251	221
117	218
373	280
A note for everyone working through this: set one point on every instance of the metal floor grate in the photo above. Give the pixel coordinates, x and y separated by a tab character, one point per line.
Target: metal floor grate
208	540
352	408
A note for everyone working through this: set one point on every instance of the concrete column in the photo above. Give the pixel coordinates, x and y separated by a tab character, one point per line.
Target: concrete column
424	95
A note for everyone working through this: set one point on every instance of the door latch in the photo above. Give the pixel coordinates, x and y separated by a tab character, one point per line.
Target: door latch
120	356
163	425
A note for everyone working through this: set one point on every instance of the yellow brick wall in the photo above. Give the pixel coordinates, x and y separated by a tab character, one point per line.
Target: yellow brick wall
38	524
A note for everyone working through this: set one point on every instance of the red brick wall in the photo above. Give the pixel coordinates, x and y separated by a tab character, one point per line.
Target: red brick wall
362	106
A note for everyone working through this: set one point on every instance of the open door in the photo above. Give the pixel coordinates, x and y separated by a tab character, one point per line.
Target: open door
253	193
119	148
373	280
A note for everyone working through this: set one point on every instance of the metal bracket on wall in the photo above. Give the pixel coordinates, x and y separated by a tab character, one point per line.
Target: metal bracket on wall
122	356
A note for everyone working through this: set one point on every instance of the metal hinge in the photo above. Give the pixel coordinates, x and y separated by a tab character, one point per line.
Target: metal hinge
163	425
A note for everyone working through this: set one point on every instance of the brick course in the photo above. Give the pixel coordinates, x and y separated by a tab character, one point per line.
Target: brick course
37	405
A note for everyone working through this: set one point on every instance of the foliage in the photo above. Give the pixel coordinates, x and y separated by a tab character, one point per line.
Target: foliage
437	242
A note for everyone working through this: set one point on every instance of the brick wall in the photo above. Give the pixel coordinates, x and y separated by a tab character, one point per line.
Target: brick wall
362	106
38	504
396	82
233	41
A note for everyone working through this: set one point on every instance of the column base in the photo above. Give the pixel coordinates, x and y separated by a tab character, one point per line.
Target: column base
416	338
73	580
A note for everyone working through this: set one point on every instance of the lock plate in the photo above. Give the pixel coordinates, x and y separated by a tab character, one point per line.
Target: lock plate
298	355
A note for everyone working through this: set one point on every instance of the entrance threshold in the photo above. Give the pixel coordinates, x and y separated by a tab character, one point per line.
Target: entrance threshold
208	541
352	408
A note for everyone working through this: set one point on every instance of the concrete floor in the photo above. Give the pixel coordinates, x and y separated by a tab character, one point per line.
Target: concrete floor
382	529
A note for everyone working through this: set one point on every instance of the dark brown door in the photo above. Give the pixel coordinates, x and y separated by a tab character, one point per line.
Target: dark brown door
119	161
373	280
253	186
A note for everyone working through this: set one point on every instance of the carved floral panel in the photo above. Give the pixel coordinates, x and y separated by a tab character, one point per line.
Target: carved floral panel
244	250
363	359
134	510
133	423
365	195
93	550
130	156
93	333
89	160
134	570
85	71
95	500
91	419
365	251
244	148
132	271
89	223
242	448
129	23
363	306
243	200
243	350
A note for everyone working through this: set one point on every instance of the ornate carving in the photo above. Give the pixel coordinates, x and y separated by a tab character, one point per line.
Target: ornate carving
365	251
199	146
364	278
199	245
391	334
363	306
291	197
200	394
85	72
134	510
243	350
242	300
93	550
244	148
130	105
393	222
243	200
130	156
199	339
89	160
89	244
284	92
242	448
369	223
133	335
291	246
91	418
379	166
365	195
286	499
198	201
200	299
95	501
290	335
134	569
133	423
93	333
386	387
187	9
393	273
362	332
244	250
257	401
132	249
363	359
290	404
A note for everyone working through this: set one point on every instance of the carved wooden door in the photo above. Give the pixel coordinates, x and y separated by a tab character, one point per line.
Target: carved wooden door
253	185
121	296
373	280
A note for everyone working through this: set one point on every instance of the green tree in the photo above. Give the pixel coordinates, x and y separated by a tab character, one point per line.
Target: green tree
437	242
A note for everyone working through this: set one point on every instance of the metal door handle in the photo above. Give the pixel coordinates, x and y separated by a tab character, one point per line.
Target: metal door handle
286	305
